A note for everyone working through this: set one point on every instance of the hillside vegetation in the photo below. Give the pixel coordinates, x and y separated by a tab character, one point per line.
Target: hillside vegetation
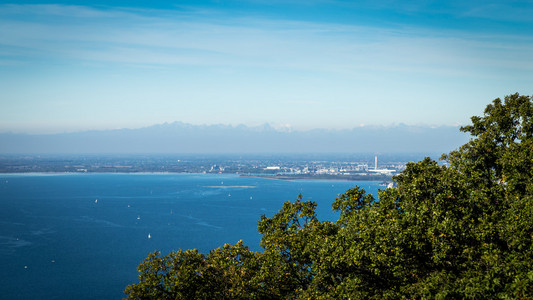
462	229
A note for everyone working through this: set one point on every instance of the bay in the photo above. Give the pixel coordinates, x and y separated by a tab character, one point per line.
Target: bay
81	236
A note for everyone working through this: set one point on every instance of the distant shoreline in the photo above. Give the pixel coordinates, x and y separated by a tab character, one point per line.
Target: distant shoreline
382	178
324	177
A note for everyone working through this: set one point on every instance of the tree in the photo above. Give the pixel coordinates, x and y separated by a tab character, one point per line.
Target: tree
225	273
462	229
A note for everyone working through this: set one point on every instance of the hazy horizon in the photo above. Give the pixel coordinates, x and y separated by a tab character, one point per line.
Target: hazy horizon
262	126
71	66
187	138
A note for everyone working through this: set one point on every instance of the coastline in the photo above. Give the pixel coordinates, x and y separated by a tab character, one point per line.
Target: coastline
285	177
383	178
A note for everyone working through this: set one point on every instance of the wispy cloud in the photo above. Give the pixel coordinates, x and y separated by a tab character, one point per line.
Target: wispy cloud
174	38
512	10
247	68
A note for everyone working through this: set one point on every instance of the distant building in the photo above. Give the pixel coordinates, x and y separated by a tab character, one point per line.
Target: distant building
381	171
272	168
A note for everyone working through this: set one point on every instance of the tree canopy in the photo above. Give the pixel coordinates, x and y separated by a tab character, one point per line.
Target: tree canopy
458	229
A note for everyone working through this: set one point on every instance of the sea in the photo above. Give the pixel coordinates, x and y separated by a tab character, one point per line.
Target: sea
82	236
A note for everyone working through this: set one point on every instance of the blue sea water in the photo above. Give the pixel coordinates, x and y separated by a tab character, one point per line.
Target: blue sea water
81	236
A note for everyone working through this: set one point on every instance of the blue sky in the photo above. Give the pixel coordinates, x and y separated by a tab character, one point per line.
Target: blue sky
80	65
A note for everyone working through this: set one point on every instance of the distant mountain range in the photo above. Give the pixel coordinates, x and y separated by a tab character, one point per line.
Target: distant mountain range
180	137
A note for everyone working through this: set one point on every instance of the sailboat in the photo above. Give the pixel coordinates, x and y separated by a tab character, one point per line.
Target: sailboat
149	236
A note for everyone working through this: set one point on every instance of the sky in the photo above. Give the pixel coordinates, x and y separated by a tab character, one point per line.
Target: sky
92	65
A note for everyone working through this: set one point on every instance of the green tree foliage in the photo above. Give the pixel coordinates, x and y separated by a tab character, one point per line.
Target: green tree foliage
462	229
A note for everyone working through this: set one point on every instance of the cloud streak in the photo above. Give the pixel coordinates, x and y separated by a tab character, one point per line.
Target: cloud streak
140	37
89	67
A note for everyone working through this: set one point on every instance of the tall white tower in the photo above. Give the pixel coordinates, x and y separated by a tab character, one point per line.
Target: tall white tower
376	163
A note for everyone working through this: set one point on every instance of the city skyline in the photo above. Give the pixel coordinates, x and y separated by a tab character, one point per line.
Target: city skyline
76	65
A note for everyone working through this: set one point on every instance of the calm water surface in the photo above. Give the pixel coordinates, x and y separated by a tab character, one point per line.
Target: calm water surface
81	236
